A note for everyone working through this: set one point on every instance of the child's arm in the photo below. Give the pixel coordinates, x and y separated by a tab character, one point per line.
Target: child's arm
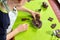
24	9
20	28
33	13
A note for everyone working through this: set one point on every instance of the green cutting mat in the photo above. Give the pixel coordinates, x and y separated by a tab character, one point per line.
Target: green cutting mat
44	33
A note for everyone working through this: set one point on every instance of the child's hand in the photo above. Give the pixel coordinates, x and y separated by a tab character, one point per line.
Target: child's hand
22	27
34	14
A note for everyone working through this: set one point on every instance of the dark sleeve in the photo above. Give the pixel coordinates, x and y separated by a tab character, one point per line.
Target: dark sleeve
4	19
4	23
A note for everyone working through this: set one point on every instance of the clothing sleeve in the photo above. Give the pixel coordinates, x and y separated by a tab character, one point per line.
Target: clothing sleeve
4	23
4	19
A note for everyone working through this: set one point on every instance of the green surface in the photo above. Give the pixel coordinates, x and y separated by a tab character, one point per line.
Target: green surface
44	33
